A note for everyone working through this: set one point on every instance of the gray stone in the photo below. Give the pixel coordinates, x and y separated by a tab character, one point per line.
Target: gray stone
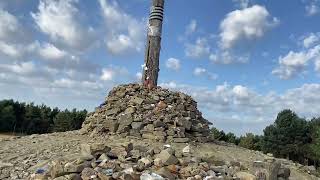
112	125
159	123
113	111
181	140
164	172
130	110
88	174
137	100
136	125
167	158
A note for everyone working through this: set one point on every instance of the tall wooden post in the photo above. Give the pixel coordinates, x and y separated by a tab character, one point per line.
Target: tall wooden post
152	54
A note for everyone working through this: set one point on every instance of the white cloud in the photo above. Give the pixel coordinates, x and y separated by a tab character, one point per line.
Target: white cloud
312	8
120	44
291	65
112	73
24	68
311	39
138	76
49	51
295	63
9	50
173	63
241	92
226	57
199	49
107	74
199	71
9	27
246	24
191	27
124	32
58	19
242	3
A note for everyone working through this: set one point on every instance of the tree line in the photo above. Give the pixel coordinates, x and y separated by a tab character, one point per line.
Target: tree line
290	137
23	118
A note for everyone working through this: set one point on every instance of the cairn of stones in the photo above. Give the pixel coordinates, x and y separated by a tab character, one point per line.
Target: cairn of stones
155	114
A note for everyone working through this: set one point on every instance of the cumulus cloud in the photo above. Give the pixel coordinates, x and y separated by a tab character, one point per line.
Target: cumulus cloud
9	27
58	19
312	8
295	63
14	40
173	63
242	3
199	71
191	27
199	49
226	57
113	73
246	24
124	32
311	39
49	51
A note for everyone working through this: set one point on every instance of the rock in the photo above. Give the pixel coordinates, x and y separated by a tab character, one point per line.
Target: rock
94	149
310	169
164	172
137	125
158	162
181	140
118	153
73	176
5	165
112	125
167	158
159	123
146	162
161	105
284	173
130	110
74	167
273	170
245	176
213	160
137	100
57	168
104	174
112	111
103	157
152	176
124	123
186	150
88	174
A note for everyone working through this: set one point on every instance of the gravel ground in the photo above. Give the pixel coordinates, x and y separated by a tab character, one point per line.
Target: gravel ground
20	155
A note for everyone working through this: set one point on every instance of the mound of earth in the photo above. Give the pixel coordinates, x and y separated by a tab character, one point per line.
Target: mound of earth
156	114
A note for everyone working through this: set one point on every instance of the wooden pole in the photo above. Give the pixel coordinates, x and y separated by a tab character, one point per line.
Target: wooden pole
153	46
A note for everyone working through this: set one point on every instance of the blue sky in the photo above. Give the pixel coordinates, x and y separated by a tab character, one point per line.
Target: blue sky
242	60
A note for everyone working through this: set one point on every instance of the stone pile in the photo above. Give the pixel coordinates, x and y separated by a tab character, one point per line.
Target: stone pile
155	114
129	162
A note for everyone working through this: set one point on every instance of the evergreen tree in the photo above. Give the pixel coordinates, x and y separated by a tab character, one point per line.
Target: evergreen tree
287	137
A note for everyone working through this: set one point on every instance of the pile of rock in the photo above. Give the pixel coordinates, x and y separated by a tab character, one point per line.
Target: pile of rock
156	114
130	162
